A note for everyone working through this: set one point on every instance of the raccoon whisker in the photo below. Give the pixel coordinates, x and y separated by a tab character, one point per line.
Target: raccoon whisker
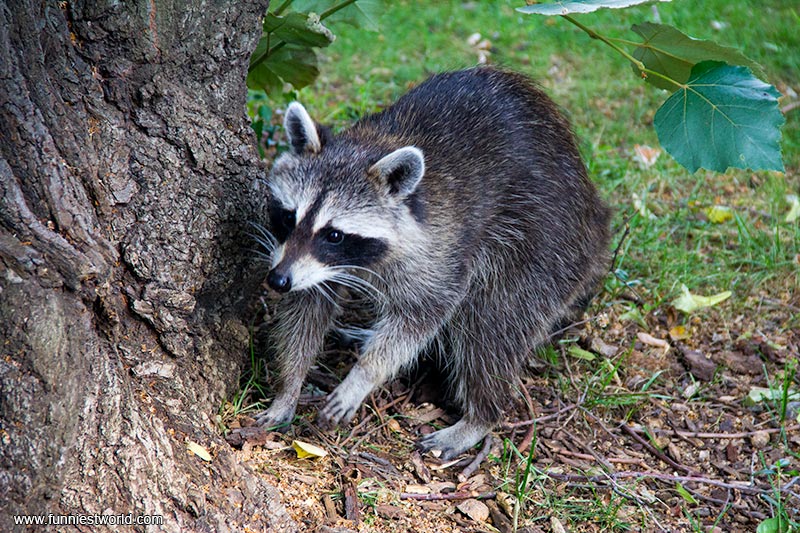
357	284
261	256
267	244
263	236
327	292
354	267
262	230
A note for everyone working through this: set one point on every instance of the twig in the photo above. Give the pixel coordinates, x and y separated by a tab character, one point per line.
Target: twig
588	457
473	466
528	439
356	429
657	476
699	435
448	496
655	451
512	425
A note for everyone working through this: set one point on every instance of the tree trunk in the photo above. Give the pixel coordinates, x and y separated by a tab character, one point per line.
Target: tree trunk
128	172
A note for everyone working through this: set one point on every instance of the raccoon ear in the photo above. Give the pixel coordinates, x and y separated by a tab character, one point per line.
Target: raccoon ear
302	131
400	171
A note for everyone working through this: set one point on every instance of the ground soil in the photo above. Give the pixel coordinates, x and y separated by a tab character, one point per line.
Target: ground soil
654	434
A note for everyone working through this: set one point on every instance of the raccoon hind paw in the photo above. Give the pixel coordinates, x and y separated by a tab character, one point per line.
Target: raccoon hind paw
455	440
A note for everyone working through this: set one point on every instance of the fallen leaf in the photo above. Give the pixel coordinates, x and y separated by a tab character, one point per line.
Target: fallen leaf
476	510
794	208
556	525
652	341
389	511
199	451
762	394
305	450
576	351
645	155
700	366
598	345
417	489
718	214
759	439
688	302
679	333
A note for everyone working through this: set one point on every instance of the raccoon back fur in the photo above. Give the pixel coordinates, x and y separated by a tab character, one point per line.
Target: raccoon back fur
463	212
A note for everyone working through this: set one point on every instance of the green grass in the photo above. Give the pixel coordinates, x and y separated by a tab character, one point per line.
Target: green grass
670	242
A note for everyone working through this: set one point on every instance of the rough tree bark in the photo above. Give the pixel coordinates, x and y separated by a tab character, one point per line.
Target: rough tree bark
127	172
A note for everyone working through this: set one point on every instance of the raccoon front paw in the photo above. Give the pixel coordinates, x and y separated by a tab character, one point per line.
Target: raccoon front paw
345	399
453	441
339	409
276	418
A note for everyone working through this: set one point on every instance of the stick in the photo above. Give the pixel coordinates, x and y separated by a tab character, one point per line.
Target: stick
655	451
448	496
473	466
699	435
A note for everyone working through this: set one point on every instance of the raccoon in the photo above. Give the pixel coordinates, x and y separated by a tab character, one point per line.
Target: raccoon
465	216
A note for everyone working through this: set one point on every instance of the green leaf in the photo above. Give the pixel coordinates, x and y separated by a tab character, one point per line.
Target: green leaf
722	117
775	524
672	53
360	14
580	353
298	28
685	494
688	302
585	6
289	64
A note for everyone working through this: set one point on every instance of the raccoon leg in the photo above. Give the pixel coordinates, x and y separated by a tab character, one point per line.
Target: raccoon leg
303	320
489	337
392	346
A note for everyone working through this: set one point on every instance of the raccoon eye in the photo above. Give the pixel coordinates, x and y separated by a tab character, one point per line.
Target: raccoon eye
287	218
334	236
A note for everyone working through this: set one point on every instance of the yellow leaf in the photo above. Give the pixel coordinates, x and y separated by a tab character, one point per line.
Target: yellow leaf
719	214
305	450
199	451
688	302
678	333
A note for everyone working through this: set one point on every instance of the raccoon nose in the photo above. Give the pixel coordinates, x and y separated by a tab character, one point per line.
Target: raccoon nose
279	282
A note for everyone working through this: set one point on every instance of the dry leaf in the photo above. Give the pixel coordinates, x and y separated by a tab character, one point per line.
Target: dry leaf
417	489
556	525
652	341
645	155
306	450
199	451
476	510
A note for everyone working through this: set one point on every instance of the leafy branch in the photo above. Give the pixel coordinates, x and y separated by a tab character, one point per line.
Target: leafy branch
292	32
719	115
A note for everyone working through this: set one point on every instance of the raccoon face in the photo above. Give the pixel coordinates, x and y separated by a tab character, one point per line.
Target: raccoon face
335	212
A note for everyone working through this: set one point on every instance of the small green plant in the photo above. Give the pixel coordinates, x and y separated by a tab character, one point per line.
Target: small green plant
780	522
719	114
293	31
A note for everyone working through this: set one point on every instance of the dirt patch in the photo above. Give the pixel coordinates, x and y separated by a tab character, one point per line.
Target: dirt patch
654	433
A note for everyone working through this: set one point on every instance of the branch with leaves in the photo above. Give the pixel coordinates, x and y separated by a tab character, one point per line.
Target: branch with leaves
719	115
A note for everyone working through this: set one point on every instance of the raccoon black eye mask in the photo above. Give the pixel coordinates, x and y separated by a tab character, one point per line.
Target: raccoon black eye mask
463	213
